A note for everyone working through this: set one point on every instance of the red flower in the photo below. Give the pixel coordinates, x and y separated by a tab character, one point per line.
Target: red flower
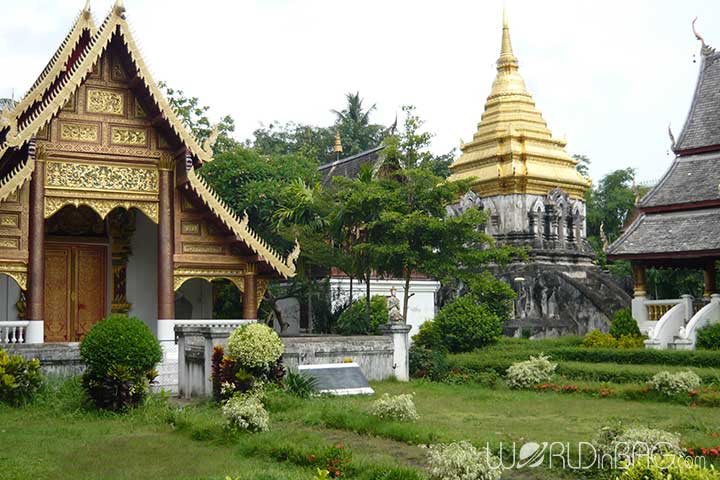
691	452
714	452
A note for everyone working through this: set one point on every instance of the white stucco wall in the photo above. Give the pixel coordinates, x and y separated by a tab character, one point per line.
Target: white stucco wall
142	272
9	295
199	293
421	306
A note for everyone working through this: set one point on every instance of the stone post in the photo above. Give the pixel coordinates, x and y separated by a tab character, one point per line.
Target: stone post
36	268
401	348
687	300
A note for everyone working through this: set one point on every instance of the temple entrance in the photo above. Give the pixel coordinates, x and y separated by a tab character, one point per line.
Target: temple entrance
75	290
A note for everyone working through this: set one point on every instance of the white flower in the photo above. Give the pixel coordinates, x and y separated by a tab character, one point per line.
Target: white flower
462	461
530	372
246	413
675	383
255	346
399	407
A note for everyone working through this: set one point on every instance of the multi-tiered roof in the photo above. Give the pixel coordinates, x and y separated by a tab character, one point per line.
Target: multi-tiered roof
513	151
679	220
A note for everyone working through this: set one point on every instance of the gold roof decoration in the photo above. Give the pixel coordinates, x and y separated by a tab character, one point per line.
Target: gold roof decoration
513	151
52	101
338	142
241	228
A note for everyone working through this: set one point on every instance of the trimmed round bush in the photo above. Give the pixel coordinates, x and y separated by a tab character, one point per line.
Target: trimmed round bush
120	354
463	325
598	339
675	383
255	346
120	340
246	413
354	321
623	323
708	337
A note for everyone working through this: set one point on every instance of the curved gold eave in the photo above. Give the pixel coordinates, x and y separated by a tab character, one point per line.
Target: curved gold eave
17	272
234	277
101	206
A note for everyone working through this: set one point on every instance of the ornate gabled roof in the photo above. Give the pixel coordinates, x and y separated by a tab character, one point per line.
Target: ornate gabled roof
241	228
20	129
701	131
691	179
512	150
350	166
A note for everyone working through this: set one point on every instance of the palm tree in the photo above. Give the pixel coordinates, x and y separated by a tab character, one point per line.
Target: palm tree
353	123
353	112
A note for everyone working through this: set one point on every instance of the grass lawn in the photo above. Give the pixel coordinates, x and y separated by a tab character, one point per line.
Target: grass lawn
57	438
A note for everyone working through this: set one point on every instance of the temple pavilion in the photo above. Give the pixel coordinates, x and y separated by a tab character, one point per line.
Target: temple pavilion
529	185
678	224
102	209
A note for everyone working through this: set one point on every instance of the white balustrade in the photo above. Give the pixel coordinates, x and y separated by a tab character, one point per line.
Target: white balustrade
13	332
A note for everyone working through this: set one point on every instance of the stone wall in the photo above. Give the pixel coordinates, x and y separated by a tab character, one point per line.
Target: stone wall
374	354
56	359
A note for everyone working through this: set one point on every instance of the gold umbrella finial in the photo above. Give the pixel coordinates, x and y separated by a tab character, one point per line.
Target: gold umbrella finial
507	57
338	143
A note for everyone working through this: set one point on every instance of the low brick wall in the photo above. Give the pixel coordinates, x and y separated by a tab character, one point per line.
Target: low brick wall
56	359
374	354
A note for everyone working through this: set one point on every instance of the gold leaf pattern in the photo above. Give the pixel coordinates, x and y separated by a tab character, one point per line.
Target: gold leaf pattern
105	101
101	177
79	132
129	136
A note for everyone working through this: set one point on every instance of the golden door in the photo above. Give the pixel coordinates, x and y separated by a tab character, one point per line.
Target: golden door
75	290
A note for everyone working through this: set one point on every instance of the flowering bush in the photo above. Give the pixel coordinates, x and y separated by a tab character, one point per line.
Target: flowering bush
631	341
667	467
19	378
462	461
398	407
530	372
636	441
255	346
246	413
598	339
674	383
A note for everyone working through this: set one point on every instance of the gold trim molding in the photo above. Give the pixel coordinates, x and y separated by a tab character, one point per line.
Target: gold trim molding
182	275
17	272
101	206
83	176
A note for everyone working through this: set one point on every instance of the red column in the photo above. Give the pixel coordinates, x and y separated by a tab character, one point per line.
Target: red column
36	243
250	294
166	294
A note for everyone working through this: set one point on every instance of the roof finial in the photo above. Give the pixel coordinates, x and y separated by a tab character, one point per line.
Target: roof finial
705	49
119	8
672	138
338	149
507	58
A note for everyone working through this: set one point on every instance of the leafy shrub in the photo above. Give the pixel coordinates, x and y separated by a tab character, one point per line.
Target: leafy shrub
20	379
631	341
354	321
398	407
623	323
525	374
302	386
336	460
429	336
230	376
461	461
120	354
255	346
598	339
463	325
674	383
246	413
494	293
667	467
636	441
708	337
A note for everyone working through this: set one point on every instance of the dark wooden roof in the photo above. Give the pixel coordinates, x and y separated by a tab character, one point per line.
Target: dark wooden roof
693	233
702	126
350	166
690	179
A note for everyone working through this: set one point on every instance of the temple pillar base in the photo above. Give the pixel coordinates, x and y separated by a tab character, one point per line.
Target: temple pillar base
35	332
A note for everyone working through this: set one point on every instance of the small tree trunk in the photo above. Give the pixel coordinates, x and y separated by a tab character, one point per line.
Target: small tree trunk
351	292
367	299
406	295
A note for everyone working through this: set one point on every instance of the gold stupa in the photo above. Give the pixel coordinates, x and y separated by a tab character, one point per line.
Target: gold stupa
513	151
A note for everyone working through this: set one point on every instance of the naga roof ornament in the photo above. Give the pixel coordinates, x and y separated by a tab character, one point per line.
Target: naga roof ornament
513	151
705	49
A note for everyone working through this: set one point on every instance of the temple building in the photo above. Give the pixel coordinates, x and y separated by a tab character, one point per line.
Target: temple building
534	197
678	225
102	208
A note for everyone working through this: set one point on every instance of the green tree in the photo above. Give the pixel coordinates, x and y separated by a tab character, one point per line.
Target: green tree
583	164
353	122
314	143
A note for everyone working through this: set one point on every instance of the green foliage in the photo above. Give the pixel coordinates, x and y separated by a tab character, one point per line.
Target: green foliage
708	337
429	337
669	383
299	385
494	293
631	341
246	413
463	325
667	467
20	379
353	320
623	323
255	346
120	354
598	339
353	123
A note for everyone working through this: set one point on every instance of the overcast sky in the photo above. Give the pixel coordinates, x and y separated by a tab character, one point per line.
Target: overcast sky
610	75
